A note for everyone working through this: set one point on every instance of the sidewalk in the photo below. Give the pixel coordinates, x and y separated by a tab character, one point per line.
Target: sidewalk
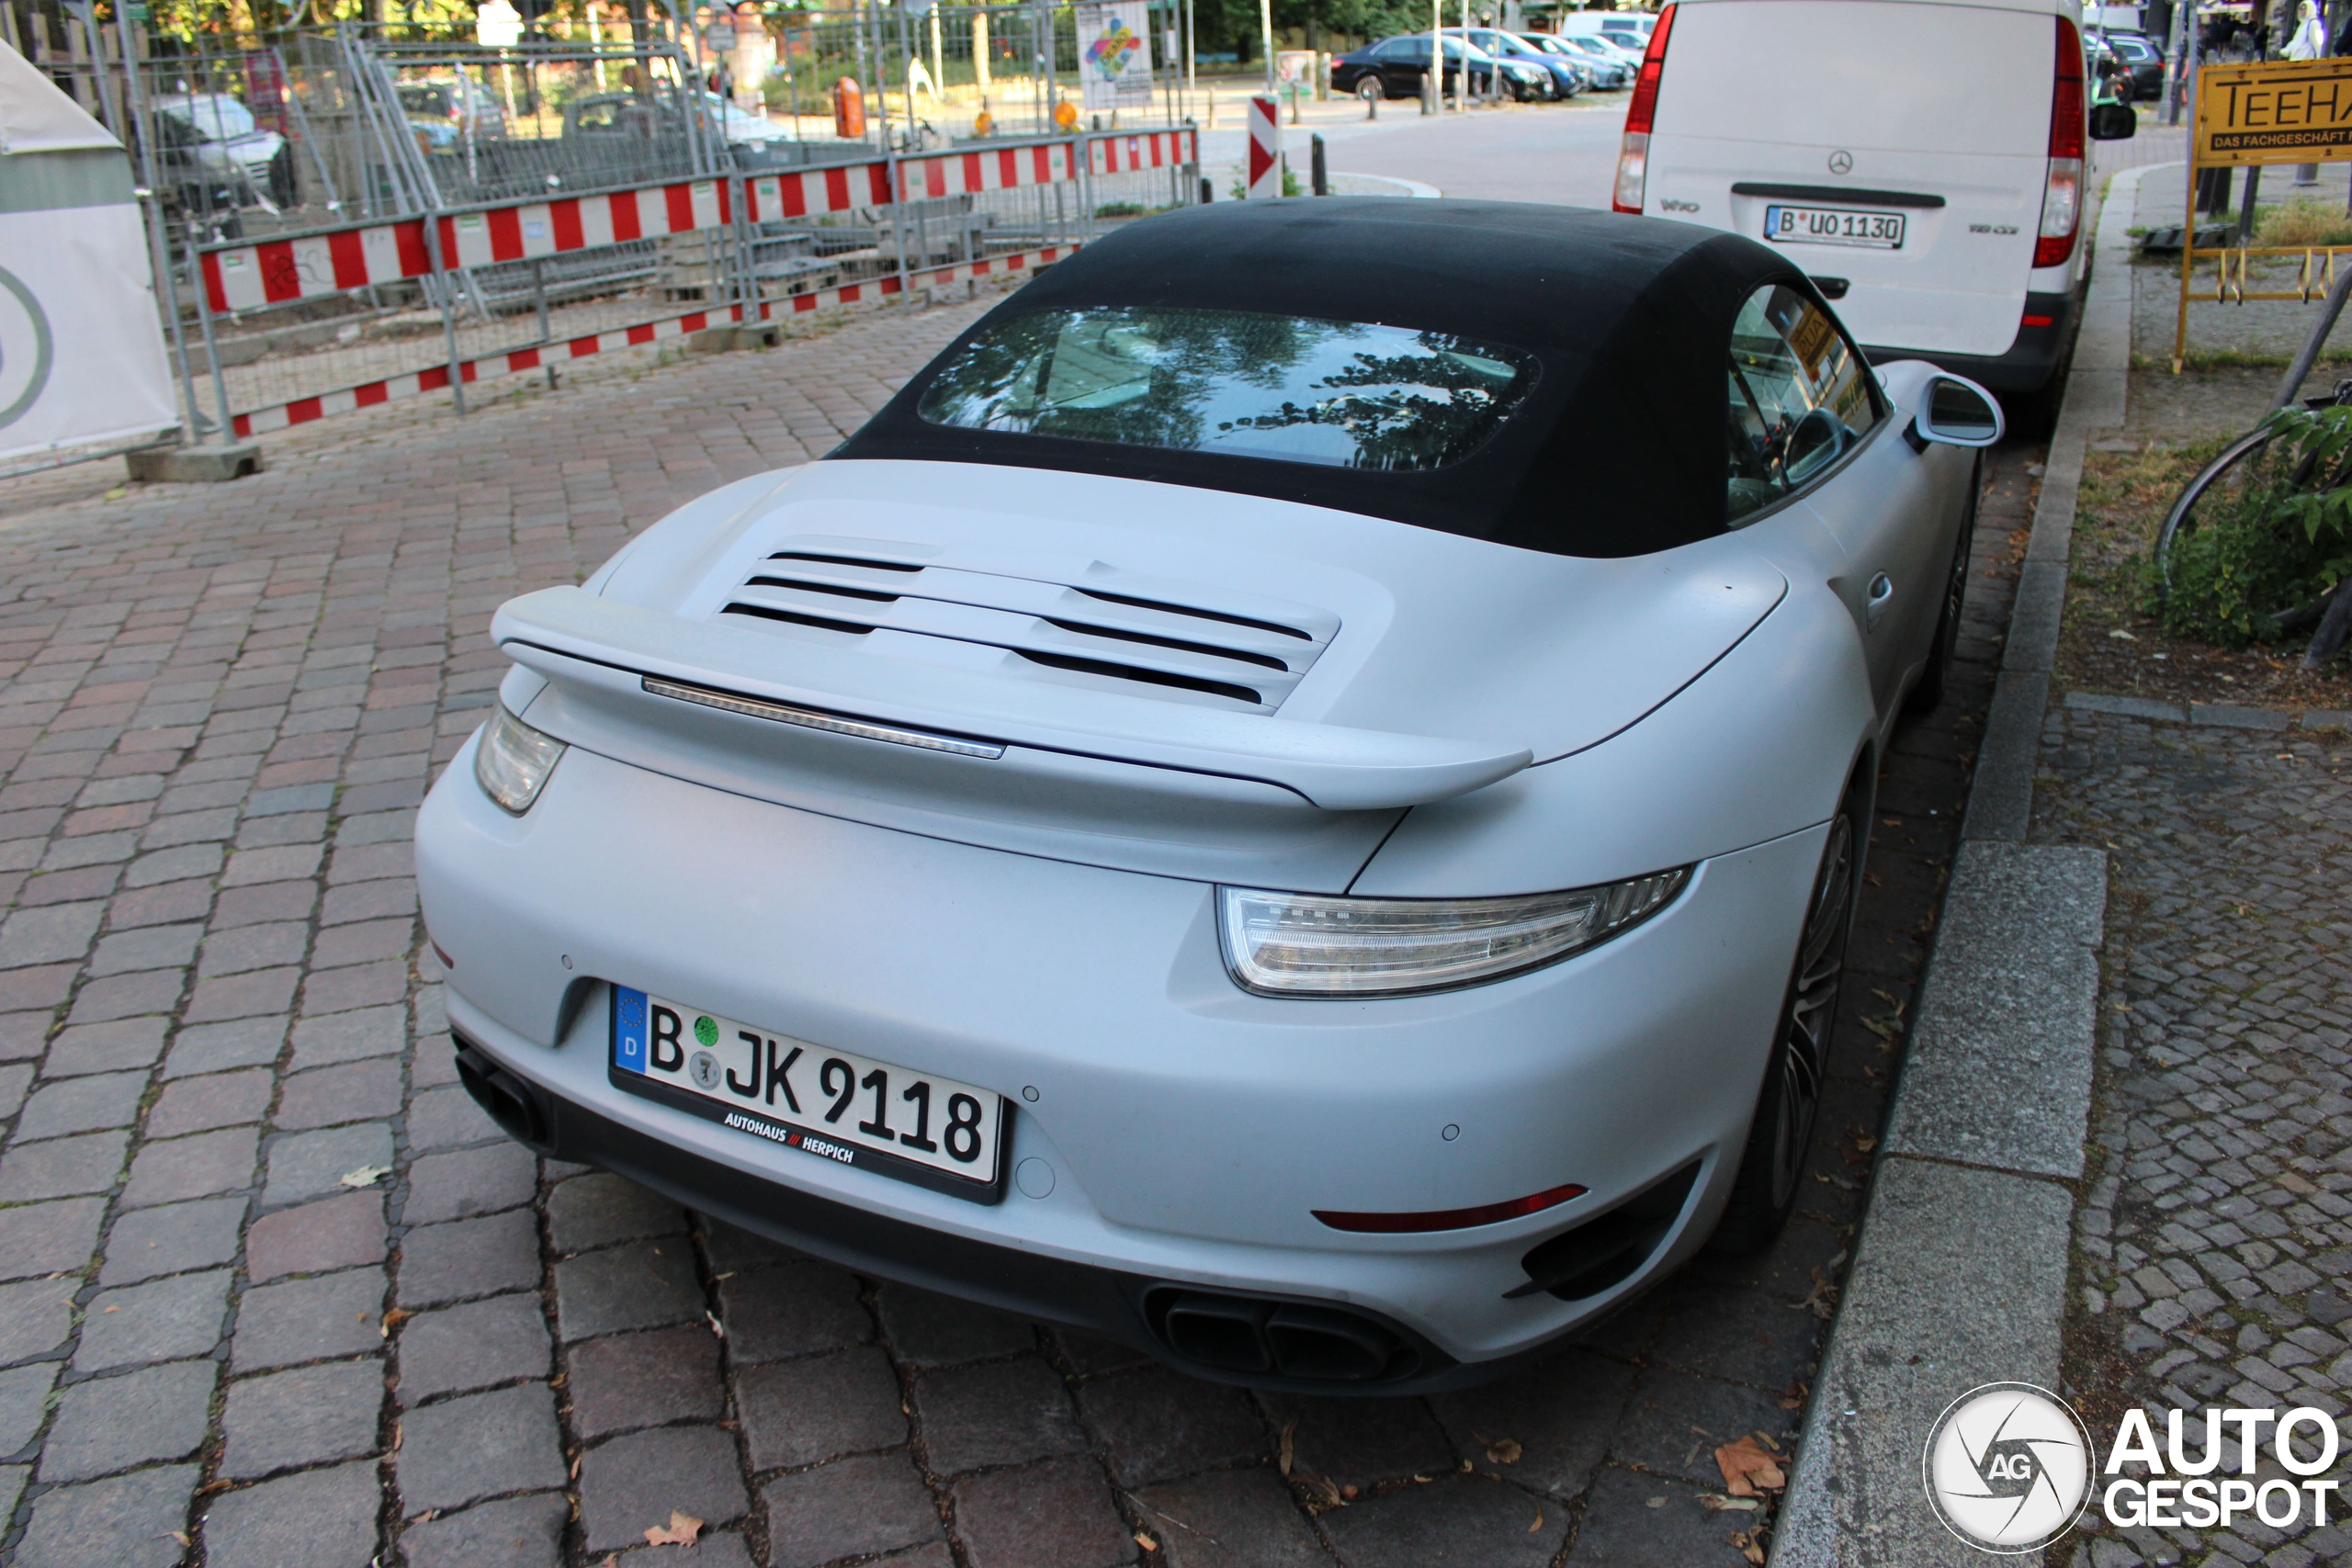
2120	1164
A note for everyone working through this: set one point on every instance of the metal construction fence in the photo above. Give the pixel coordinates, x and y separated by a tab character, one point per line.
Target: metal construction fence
340	217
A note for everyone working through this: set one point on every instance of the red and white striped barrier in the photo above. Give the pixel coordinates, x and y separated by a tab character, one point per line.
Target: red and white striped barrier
1113	153
303	411
245	278
272	272
987	169
1265	150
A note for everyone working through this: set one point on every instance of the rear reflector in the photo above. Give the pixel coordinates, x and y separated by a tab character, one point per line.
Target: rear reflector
2037	321
1633	156
1449	1219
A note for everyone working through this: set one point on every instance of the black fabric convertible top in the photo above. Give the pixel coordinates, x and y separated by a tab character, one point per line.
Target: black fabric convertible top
1621	449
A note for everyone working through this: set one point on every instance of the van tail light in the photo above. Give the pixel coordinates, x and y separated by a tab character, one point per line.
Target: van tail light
1634	156
2061	194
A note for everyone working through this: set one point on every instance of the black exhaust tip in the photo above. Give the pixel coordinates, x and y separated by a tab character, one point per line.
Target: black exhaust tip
1282	1339
521	1111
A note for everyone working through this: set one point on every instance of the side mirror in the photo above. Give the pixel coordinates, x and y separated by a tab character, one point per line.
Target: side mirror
1958	413
2113	122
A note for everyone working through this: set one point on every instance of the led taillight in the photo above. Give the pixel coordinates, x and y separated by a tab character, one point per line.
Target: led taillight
1633	153
2062	193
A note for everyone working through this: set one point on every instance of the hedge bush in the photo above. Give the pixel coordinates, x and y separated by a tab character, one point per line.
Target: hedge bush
2262	542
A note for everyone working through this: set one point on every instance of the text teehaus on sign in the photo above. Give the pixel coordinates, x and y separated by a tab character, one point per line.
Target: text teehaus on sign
2284	111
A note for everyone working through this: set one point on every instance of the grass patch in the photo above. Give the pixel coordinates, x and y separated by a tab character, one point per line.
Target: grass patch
2109	642
2301	221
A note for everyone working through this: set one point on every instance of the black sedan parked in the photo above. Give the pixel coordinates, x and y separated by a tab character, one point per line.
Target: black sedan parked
1395	67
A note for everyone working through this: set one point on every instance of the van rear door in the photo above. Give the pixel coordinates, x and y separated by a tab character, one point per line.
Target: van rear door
1899	145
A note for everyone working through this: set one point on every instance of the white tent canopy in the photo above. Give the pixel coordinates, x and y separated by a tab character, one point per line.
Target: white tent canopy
35	118
82	361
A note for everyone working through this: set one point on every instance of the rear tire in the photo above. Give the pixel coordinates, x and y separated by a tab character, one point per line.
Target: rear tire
1929	694
1772	1167
1369	89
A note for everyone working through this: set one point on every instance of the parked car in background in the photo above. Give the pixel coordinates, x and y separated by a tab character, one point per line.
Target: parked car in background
1943	208
1610	68
2146	62
1628	30
1298	813
609	131
469	108
211	140
1395	67
1568	76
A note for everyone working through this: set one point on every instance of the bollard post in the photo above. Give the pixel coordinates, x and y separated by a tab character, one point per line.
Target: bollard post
1321	175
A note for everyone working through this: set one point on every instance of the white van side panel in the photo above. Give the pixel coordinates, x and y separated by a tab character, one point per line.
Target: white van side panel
1766	91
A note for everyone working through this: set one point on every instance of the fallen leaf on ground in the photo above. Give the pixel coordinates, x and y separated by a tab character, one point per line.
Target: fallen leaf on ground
425	1517
1349	1493
1327	1488
1146	1542
680	1531
180	1536
1504	1450
1716	1503
392	1320
1538	1524
1749	1470
366	1176
1290	1430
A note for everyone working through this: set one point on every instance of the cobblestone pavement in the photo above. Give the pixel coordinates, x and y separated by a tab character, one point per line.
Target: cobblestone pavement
2213	1239
276	1296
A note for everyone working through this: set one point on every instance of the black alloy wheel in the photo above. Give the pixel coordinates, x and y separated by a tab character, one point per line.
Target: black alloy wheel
1927	694
1773	1166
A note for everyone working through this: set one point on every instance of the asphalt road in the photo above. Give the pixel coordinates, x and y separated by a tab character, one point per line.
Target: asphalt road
1553	153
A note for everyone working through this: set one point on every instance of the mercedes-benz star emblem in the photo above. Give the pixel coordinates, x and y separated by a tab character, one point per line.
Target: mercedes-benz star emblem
1841	162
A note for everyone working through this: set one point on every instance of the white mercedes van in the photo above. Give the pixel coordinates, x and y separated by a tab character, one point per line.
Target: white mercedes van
1922	160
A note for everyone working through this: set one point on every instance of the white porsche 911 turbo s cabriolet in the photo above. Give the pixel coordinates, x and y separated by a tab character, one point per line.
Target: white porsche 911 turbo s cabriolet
1293	799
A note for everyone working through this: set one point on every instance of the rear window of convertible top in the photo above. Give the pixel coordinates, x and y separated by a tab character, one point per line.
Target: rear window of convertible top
1289	389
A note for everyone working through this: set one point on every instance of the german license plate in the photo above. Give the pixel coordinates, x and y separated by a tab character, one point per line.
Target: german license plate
1834	226
832	1104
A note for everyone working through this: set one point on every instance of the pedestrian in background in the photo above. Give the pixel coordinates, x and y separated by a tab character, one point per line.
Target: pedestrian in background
2310	42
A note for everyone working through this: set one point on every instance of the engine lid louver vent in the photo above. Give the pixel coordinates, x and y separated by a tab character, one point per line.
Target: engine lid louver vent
1180	642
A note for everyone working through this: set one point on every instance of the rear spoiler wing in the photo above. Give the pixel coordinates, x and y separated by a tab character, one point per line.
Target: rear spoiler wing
569	635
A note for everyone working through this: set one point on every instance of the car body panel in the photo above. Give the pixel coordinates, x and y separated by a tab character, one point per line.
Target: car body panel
1044	923
1438	671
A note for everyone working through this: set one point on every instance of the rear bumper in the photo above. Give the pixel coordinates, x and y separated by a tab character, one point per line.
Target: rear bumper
1191	1127
2028	365
1108	1302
